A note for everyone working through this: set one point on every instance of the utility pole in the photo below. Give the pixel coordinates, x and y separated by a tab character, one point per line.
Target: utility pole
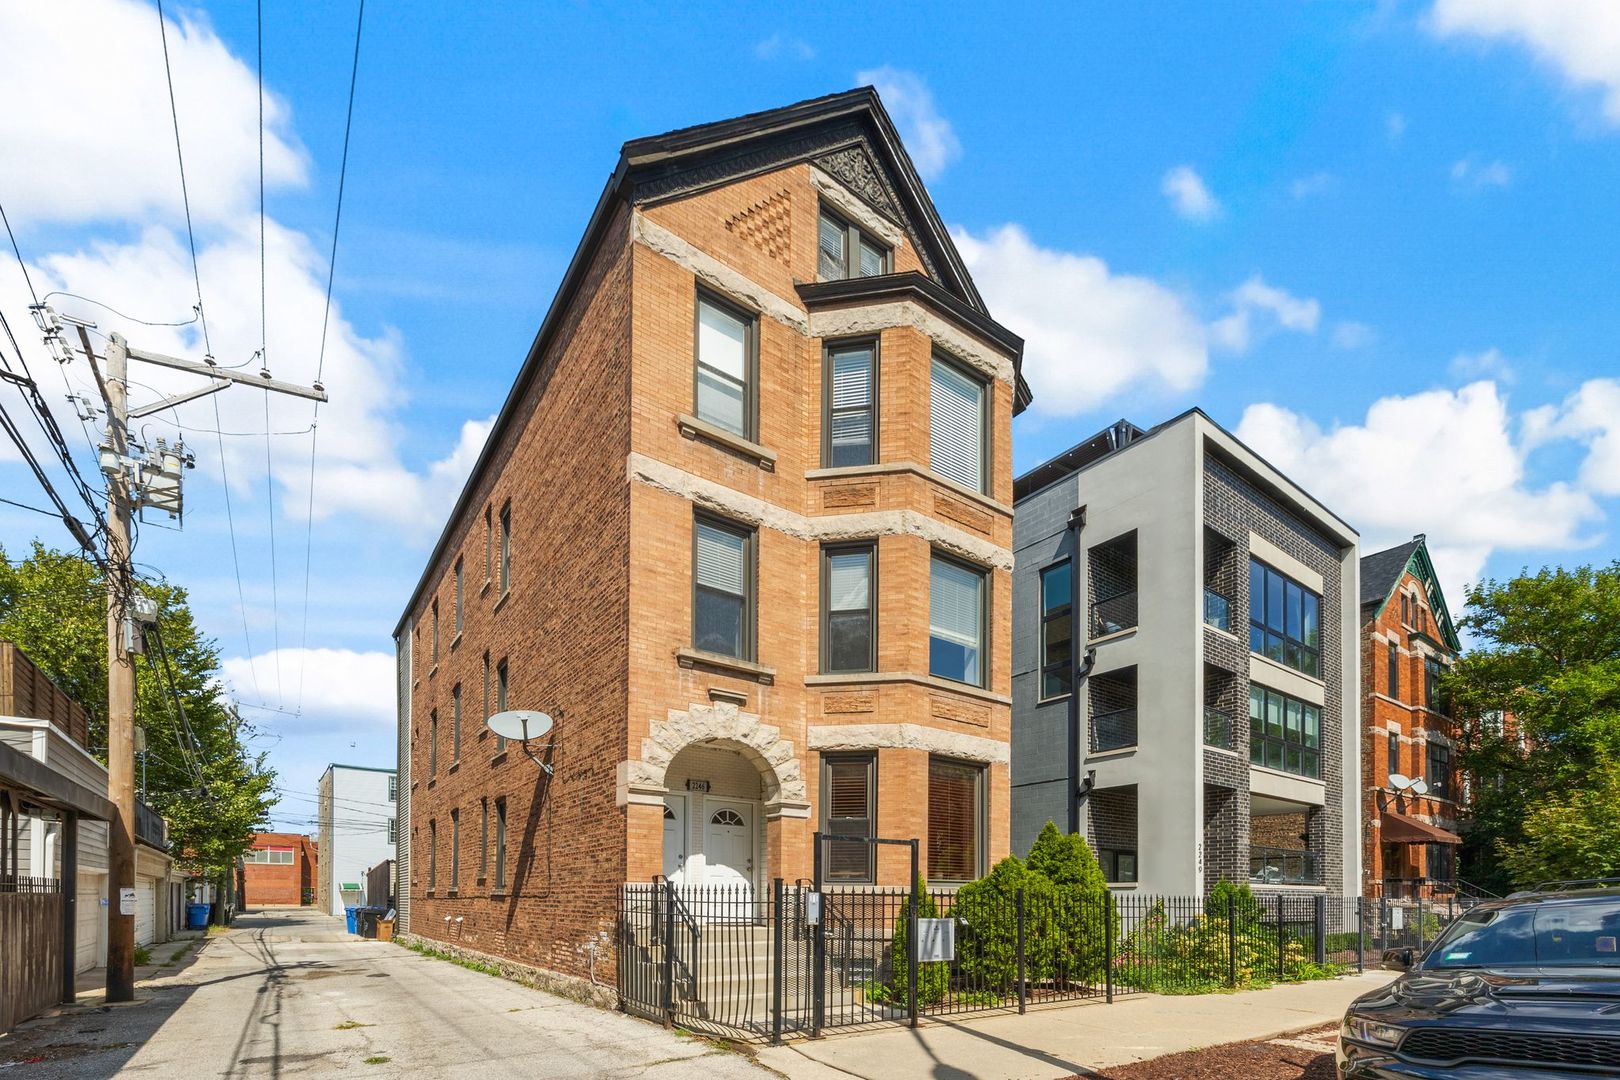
137	478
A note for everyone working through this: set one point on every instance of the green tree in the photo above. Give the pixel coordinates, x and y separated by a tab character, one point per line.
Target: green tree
1571	836
1065	859
933	977
1548	654
199	772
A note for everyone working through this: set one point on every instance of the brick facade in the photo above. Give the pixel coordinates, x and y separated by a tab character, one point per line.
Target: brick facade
1410	621
276	883
604	468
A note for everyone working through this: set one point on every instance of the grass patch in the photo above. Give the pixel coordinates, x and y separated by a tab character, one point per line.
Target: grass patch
349	1025
438	954
178	953
378	1059
143	956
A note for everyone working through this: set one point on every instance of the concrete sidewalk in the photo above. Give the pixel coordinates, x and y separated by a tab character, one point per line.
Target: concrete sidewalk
1058	1041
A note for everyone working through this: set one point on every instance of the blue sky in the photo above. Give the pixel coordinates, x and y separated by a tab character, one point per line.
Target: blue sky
1379	241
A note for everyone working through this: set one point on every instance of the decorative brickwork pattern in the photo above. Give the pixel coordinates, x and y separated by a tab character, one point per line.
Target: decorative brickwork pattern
767	225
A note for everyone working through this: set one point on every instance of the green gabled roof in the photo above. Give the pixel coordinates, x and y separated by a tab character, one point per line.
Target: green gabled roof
1382	571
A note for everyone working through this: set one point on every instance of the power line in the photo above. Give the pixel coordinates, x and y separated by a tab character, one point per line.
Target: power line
264	365
320	361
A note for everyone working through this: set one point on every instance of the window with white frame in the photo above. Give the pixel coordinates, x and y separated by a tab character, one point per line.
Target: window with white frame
725	337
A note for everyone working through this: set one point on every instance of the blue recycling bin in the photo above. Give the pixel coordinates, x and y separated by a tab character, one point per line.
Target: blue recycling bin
196	916
351	914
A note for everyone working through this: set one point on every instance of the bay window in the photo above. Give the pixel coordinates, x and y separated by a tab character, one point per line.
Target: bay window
956	621
957	415
849	416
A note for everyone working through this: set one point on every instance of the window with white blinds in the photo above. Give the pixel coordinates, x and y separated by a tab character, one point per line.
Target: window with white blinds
956	626
849	418
722	602
844	251
848	638
956	425
849	808
724	338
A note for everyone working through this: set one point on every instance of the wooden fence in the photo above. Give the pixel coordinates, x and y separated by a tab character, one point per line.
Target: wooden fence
30	948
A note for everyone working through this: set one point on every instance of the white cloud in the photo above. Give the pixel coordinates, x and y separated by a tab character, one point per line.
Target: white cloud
1188	194
1443	462
118	236
780	46
1258	310
341	687
1349	334
1090	333
1471	174
88	126
1579	37
1317	183
1490	364
928	136
1590	415
1394	126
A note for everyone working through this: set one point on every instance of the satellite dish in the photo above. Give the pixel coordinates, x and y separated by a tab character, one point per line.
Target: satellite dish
1420	786
520	725
1398	781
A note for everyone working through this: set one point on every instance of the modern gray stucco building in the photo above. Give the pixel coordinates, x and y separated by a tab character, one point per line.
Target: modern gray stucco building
1198	719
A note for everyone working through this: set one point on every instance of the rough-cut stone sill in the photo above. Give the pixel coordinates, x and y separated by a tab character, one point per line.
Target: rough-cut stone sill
552	982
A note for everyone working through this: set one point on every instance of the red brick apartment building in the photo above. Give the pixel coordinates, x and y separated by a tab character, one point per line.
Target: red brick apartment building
1408	641
279	869
743	527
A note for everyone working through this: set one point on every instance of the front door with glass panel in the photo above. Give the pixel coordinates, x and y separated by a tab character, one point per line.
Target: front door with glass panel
728	848
675	838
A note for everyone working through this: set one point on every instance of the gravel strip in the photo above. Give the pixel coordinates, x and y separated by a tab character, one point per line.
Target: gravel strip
1303	1055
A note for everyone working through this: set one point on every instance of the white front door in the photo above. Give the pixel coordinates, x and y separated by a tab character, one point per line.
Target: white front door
675	838
728	847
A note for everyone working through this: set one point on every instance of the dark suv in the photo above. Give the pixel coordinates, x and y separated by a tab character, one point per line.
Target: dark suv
1525	987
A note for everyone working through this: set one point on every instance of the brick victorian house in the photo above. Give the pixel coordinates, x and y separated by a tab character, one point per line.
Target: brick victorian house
743	527
1408	640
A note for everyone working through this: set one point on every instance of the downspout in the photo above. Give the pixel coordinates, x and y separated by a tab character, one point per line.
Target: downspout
1078	668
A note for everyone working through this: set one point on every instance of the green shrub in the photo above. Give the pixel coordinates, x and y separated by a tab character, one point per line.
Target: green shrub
987	926
1228	897
143	956
933	977
1066	860
1069	910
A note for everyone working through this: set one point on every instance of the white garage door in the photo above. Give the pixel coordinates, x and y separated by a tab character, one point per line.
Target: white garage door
145	911
87	926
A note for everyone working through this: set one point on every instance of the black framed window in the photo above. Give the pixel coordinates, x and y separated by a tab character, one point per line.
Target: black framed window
1441	862
955	820
956	621
1284	733
1394	671
483	839
459	577
1431	682
501	686
455	850
500	844
849	410
1118	865
725	364
486	714
489	544
1057	629
849	608
844	250
455	723
435	633
958	427
1439	778
1394	751
433	855
723	588
506	548
849	808
433	743
1285	620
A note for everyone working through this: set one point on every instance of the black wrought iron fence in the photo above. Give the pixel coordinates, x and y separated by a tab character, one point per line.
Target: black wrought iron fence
730	962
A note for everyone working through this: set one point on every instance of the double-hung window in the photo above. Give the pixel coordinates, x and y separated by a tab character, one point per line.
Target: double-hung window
849	417
956	621
433	743
1439	777
506	548
843	250
433	855
1394	751
455	724
1394	671
1057	630
435	633
955	820
455	850
1431	682
722	601
849	808
483	839
459	577
1284	620
489	544
502	682
725	362
849	607
500	845
957	403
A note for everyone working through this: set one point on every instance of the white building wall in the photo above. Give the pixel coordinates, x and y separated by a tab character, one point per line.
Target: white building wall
353	826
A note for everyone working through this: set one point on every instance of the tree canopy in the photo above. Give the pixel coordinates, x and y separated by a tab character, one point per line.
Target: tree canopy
1547	657
199	772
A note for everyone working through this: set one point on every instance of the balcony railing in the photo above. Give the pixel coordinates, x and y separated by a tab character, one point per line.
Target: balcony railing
1113	730
1114	614
1217	611
1218	726
150	828
1416	888
1282	866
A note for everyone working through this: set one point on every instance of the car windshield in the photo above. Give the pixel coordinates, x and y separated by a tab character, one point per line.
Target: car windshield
1539	935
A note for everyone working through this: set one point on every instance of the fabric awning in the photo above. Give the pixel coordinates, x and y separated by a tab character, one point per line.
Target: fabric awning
1403	829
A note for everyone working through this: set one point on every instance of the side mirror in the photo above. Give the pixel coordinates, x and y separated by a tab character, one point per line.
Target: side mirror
1398	959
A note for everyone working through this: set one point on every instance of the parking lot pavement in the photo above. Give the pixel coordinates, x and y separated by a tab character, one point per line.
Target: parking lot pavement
288	993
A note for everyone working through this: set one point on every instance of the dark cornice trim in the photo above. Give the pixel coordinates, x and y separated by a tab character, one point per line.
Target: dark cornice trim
912	286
